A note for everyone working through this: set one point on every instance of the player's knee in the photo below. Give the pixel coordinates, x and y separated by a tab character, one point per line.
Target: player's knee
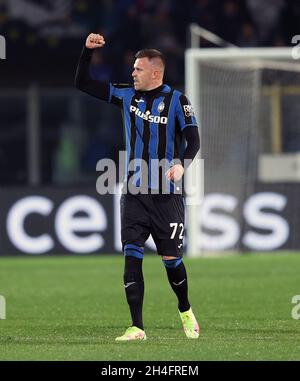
132	250
172	263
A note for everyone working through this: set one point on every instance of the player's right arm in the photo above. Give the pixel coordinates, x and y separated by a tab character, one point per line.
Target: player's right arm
112	93
83	80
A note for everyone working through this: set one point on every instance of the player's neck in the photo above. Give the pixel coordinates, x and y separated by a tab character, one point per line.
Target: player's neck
154	87
153	90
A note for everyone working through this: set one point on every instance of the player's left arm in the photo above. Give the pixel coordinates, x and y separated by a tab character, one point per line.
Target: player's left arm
189	127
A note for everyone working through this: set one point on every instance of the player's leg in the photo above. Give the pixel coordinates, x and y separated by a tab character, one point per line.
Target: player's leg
134	233
177	277
134	283
134	289
168	223
178	280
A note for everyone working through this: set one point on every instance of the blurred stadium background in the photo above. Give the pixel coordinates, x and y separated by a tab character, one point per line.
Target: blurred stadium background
52	136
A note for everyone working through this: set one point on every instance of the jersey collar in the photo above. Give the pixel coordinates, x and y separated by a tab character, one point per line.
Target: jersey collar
161	90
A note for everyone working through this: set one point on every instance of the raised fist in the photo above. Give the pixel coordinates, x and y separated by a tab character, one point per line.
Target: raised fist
94	41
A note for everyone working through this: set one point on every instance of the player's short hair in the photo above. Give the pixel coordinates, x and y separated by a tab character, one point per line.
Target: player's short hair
151	54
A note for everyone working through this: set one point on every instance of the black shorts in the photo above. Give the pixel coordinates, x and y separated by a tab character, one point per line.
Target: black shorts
162	216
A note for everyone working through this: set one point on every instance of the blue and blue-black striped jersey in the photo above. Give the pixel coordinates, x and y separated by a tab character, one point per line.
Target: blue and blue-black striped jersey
153	122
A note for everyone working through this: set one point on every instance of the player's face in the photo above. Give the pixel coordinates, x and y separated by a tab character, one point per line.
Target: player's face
142	74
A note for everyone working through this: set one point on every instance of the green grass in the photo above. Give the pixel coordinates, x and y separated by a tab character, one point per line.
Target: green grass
72	308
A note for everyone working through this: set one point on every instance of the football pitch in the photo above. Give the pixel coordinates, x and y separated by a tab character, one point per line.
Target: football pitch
72	308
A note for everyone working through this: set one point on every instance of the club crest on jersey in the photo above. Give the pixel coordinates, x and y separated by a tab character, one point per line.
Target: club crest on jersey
188	110
161	107
147	116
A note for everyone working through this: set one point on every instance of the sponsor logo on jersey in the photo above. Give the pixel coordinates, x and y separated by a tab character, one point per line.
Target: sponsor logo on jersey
188	110
147	116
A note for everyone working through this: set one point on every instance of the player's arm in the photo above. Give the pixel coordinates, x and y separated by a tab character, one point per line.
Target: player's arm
83	80
192	138
189	127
